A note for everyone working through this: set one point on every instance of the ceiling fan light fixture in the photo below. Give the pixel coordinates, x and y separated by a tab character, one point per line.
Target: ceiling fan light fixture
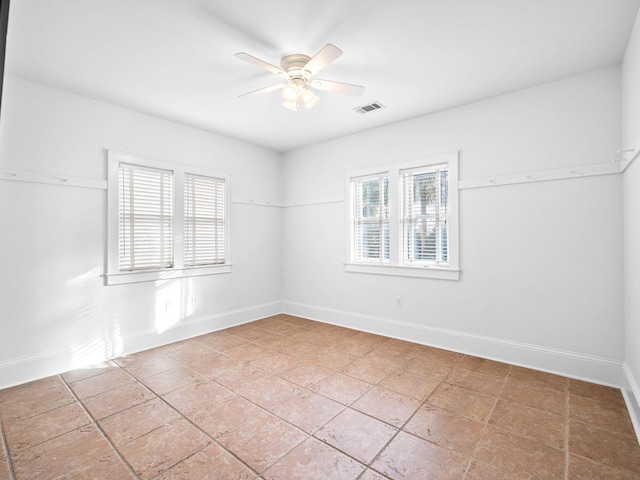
309	98
290	105
303	98
289	93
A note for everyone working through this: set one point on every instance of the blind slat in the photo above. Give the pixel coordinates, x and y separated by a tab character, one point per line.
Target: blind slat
424	207
204	220
371	219
145	218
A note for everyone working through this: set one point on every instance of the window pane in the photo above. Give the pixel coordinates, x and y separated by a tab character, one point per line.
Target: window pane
204	222
371	219
371	240
424	215
145	239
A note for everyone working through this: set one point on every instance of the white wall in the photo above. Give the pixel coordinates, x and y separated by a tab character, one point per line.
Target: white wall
631	139
56	312
541	262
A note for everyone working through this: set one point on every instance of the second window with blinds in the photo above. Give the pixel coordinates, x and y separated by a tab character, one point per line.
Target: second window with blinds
403	219
165	220
204	220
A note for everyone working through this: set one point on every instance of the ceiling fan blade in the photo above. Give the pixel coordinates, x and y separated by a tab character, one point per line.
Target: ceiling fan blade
260	63
260	91
337	87
324	57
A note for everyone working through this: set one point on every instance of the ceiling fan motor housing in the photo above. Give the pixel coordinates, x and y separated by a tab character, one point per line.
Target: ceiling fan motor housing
294	66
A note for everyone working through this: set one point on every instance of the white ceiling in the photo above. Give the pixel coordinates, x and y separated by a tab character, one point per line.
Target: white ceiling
175	58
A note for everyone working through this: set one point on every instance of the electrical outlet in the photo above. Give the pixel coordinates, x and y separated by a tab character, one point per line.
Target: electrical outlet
194	301
398	301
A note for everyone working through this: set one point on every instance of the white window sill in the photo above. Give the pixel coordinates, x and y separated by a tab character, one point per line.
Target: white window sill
442	273
121	278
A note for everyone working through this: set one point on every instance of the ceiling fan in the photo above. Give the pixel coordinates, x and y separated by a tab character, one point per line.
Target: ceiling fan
297	75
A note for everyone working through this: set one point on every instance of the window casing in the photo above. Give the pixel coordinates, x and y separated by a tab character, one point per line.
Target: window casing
402	219
165	220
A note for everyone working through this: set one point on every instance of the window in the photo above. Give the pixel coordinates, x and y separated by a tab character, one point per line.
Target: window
424	215
165	220
372	219
145	225
403	219
204	232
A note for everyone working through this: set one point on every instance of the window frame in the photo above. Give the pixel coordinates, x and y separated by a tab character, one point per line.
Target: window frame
395	266
115	276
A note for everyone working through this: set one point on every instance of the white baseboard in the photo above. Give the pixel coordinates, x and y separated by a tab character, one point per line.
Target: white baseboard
631	394
25	369
590	368
575	365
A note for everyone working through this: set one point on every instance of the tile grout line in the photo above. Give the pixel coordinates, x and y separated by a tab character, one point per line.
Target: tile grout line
214	441
270	412
266	411
486	423
266	470
345	407
6	450
102	432
423	403
400	429
187	419
308	435
41	442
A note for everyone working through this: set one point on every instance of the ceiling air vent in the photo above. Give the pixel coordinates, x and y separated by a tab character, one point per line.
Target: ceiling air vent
369	107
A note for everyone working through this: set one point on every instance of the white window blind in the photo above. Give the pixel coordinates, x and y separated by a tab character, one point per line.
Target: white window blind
145	239
371	219
424	218
204	222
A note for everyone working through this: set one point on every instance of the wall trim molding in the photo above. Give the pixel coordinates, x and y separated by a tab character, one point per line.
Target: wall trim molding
17	175
314	201
20	370
288	204
609	168
628	157
631	394
257	201
604	371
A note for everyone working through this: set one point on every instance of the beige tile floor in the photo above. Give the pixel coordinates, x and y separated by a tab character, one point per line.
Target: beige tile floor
287	398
